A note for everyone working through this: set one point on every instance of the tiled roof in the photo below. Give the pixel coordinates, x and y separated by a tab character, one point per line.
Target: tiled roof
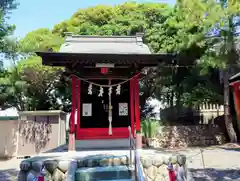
104	44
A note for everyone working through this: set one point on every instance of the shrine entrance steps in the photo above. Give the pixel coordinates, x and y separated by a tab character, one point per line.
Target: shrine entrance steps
102	144
105	167
75	167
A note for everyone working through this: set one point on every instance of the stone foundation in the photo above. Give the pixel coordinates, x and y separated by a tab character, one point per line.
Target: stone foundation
53	169
187	136
155	166
75	169
101	167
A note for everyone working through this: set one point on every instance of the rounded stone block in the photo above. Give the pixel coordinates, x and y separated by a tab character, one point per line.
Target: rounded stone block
104	162
47	175
32	175
162	173
181	159
166	159
81	163
182	173
116	161
70	174
125	160
82	175
147	162
158	161
58	175
151	171
92	163
22	176
25	165
155	166
173	159
51	165
37	165
64	164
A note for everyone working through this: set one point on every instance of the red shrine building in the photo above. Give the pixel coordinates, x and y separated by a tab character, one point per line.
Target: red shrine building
105	72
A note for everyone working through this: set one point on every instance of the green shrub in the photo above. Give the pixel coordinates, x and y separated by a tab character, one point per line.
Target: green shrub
149	128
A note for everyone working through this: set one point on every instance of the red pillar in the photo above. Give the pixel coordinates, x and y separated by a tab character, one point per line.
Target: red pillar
137	113
137	110
132	106
71	145
236	95
79	107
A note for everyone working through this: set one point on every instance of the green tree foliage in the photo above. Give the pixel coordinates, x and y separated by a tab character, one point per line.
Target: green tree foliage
126	19
221	49
30	86
180	78
181	29
42	81
7	48
12	89
6	6
40	40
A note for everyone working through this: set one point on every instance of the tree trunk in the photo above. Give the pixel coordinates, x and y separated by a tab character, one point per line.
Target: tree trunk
172	99
228	118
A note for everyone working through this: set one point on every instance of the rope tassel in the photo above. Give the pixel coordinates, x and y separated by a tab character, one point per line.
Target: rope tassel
110	126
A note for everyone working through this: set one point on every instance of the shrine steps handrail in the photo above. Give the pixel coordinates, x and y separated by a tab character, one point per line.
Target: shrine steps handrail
139	175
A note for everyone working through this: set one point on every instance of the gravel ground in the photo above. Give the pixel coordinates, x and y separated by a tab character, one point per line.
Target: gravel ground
219	164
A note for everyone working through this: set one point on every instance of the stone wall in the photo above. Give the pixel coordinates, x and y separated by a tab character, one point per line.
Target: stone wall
156	166
186	136
66	168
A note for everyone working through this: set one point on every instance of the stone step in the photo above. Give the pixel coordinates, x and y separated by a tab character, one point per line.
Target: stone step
103	160
105	173
102	144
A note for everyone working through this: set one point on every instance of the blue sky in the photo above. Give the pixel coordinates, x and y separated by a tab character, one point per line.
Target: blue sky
32	14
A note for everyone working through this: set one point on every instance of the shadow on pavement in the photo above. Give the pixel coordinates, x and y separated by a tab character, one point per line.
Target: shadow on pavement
8	175
231	149
61	148
211	174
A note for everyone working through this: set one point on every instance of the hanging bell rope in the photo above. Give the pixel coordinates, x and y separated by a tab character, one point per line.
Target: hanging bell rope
110	126
110	107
